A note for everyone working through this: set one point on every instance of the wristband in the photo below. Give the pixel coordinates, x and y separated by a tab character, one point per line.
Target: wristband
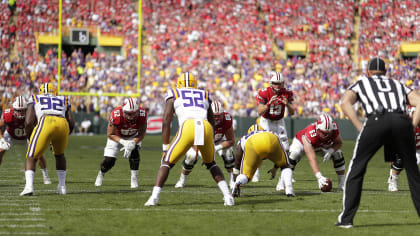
218	147
165	147
235	171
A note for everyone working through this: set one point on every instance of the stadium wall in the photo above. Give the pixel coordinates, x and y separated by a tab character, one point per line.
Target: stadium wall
293	125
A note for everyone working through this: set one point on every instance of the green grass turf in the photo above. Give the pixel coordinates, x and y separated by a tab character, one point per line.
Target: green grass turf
115	209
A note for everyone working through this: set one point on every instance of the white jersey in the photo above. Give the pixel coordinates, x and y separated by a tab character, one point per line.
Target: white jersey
189	103
50	105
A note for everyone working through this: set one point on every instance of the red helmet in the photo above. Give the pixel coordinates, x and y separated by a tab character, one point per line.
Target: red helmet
324	125
217	109
130	109
19	107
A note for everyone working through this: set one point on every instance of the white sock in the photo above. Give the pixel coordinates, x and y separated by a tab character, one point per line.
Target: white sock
341	178
44	172
257	172
286	175
134	173
241	179
156	191
230	175
224	187
61	177
183	177
29	176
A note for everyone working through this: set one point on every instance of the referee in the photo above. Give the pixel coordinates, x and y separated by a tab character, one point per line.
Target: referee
384	101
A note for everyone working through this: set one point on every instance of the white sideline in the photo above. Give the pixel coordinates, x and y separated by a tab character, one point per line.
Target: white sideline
24	233
22	219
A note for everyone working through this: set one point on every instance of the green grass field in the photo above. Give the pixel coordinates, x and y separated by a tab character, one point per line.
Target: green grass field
115	209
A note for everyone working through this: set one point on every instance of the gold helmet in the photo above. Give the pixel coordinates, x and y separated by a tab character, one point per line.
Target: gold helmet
186	80
256	126
47	88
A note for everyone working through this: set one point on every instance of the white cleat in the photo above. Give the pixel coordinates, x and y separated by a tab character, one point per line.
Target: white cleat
280	185
27	192
47	180
180	184
134	182
229	201
99	179
151	202
61	190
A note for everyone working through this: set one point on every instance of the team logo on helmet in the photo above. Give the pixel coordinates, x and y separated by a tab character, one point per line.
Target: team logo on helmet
324	125
19	107
218	111
186	80
276	79
130	109
47	89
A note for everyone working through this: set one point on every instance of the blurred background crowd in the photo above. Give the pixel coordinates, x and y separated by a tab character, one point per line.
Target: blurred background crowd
228	45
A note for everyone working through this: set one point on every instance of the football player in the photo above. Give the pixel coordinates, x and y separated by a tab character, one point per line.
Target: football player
196	122
272	103
323	137
53	120
397	165
251	150
224	138
126	128
14	119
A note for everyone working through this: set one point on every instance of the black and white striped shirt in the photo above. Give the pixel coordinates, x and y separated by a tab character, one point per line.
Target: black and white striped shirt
379	93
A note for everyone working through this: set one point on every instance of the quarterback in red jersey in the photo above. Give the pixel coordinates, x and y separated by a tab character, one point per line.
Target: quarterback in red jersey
271	106
224	138
126	128
14	119
397	165
321	136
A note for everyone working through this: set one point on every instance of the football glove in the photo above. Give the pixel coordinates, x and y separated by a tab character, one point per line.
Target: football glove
321	180
128	147
273	172
4	145
328	154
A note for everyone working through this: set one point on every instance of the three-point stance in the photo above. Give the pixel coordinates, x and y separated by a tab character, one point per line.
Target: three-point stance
195	118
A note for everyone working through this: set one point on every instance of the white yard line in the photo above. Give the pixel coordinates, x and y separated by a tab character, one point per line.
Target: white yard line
22	219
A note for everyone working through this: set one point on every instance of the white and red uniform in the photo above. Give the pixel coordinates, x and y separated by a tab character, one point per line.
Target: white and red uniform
125	129
311	135
15	131
273	120
221	128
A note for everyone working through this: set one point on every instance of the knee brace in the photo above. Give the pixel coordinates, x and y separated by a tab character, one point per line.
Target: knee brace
134	159
188	165
397	164
210	165
107	164
338	160
228	158
293	159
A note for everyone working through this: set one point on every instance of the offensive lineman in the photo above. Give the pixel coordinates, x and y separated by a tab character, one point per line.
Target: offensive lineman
195	118
224	138
272	103
55	123
127	128
14	119
324	137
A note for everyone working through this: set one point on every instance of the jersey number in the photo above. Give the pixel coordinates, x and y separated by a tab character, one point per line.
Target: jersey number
276	109
193	98
48	103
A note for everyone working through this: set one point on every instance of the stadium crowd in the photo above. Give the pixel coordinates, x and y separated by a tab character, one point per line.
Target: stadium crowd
228	45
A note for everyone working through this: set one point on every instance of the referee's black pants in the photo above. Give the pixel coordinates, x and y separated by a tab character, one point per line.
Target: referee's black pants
393	129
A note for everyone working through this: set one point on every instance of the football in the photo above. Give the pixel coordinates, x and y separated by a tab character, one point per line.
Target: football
327	187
